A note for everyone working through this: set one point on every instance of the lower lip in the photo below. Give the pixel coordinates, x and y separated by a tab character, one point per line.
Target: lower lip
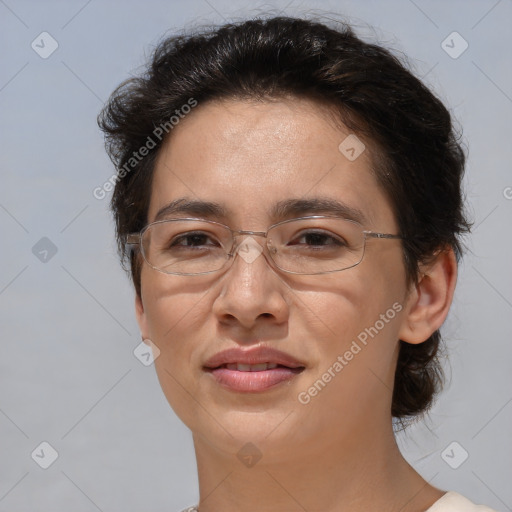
251	382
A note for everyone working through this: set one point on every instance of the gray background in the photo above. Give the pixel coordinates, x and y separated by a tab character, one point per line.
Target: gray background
68	375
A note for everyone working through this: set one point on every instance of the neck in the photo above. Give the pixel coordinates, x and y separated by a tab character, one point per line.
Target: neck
361	472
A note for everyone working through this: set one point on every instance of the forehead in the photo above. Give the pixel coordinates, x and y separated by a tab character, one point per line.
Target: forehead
252	157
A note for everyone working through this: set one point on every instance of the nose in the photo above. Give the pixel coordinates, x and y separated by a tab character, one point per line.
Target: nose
251	291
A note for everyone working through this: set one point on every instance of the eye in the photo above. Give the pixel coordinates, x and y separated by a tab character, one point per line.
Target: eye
191	239
319	238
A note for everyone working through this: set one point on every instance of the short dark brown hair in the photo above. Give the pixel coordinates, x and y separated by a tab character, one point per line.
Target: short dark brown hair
417	158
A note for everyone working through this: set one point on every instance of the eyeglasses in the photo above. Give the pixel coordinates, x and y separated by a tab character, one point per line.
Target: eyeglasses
307	245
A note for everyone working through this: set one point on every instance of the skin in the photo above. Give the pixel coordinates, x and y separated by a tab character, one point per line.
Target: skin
325	455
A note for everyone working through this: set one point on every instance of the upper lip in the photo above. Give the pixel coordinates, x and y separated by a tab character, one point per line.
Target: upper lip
254	355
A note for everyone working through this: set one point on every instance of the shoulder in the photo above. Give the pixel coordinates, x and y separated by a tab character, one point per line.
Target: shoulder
455	502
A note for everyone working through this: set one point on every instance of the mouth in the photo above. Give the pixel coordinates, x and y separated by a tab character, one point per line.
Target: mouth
261	367
253	378
251	370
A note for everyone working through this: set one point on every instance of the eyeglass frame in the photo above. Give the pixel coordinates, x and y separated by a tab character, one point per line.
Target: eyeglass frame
135	239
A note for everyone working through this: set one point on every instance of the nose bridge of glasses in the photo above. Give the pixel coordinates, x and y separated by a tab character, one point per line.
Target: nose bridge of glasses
241	232
246	246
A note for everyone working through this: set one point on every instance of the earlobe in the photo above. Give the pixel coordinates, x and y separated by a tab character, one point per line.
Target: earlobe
429	302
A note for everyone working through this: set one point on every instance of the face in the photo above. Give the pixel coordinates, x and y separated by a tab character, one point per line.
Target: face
247	157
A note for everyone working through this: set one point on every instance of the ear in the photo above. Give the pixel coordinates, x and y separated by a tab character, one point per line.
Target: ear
429	301
140	313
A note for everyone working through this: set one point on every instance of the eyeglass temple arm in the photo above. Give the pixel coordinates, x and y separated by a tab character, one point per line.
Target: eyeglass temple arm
132	239
371	234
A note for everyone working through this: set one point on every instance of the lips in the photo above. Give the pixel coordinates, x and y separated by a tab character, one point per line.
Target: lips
252	370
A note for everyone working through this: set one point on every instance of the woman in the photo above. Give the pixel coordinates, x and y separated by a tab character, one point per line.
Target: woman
289	201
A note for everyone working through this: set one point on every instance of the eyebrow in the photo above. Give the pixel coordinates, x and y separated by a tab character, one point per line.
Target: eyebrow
286	209
193	207
290	208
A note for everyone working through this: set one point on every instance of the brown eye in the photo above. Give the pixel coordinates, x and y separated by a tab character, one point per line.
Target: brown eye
192	239
318	238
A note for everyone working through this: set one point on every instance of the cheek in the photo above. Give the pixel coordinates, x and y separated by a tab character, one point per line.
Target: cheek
172	304
176	321
176	315
357	318
346	303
